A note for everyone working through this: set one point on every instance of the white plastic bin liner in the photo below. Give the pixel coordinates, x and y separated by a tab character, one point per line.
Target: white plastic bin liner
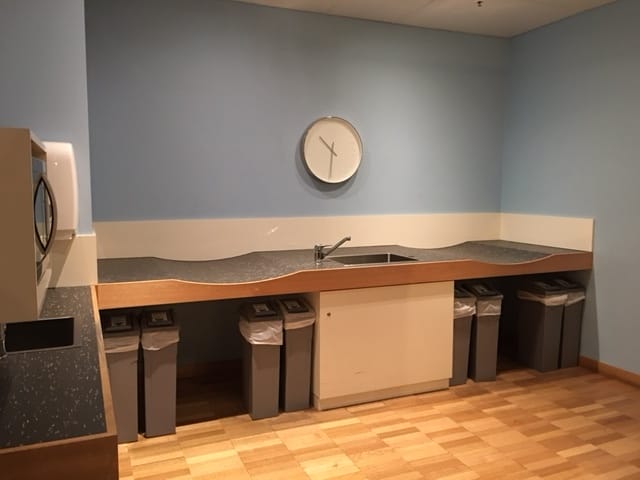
464	307
488	300
121	344
160	338
485	308
295	324
547	300
264	332
574	297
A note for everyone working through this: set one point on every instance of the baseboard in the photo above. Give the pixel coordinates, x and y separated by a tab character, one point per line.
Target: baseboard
377	395
610	370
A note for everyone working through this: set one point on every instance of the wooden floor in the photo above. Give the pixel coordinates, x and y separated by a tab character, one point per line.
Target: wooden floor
568	424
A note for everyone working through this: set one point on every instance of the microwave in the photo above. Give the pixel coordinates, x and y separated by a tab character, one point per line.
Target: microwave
44	214
29	215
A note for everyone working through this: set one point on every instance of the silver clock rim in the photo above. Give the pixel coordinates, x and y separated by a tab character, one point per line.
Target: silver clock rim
358	138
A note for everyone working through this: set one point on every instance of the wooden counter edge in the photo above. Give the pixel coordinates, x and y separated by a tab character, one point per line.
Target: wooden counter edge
87	456
90	456
169	291
109	413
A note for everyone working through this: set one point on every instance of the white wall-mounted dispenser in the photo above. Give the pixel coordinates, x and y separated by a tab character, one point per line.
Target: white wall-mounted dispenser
61	173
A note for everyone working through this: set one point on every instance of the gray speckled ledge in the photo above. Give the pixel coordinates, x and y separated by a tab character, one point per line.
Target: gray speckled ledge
54	394
266	265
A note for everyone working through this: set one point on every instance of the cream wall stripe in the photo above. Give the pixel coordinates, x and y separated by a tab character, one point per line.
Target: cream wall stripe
203	239
562	232
74	261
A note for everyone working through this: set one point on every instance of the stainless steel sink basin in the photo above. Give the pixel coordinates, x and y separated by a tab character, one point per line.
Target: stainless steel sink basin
41	335
371	258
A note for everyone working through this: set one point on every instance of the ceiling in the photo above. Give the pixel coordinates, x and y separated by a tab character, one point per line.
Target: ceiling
501	18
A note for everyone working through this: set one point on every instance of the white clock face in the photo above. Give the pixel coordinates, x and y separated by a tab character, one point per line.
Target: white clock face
332	149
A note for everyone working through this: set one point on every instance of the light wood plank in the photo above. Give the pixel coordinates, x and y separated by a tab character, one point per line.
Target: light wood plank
492	430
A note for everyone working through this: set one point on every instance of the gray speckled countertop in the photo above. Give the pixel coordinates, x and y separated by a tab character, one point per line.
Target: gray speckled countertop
266	265
54	394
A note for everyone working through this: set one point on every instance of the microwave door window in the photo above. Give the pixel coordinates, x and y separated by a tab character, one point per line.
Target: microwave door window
39	207
49	216
44	215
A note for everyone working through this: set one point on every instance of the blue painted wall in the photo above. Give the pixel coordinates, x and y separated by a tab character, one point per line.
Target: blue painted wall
197	108
572	139
43	84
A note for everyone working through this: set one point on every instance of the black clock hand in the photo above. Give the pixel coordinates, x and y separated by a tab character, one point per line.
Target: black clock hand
327	145
331	159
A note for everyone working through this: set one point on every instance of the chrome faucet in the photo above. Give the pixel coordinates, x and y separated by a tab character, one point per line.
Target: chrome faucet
320	254
3	350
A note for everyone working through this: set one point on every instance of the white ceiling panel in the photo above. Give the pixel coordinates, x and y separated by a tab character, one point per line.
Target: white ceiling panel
501	18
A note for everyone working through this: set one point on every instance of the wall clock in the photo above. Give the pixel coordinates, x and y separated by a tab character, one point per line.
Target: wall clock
332	149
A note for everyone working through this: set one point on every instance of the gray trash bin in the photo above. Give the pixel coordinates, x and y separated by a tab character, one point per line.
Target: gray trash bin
121	333
539	325
295	368
464	308
261	328
571	322
483	354
160	337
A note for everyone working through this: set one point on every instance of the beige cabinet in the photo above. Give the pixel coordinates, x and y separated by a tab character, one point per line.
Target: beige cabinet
376	343
26	207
